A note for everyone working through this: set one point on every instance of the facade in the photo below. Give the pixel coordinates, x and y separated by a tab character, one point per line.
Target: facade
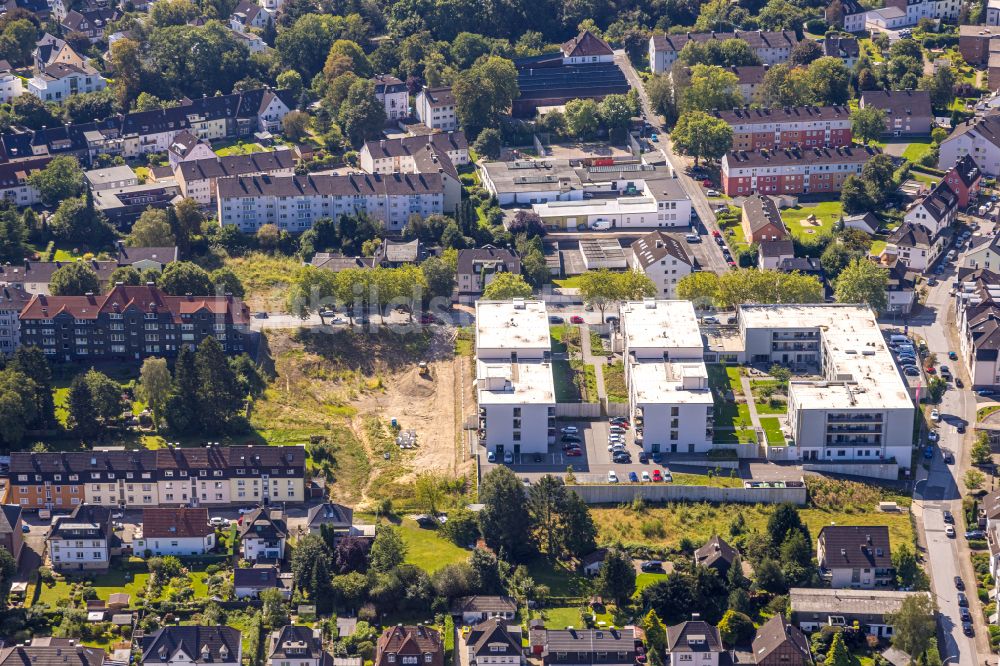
771	47
761	220
978	308
263	534
249	14
694	642
927	9
935	212
123	205
248	583
514	384
666	376
662	259
963	179
871	610
187	147
779	643
494	642
111	177
861	410
481	608
585	647
194	645
10	83
11	534
478	266
170	477
409	645
83	540
298	645
773	254
979	138
294	203
13	299
907	112
845	48
391	92
435	107
131	323
642	204
436	154
851	16
974	42
792	171
198	179
855	557
175	531
788	127
913	246
14	185
60	81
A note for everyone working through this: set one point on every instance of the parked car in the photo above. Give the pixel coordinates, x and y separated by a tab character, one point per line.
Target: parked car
933	436
491	457
707	182
948	517
643	457
612	476
975	534
935	415
965	614
949	531
571	439
657	476
633	477
930	370
712	193
716	234
651	566
574	453
968	629
622	458
953	356
985	392
218	521
508	458
645	476
959	383
569	430
963	601
949	457
959	583
260	315
911	371
960	428
928	452
709	320
692	238
611	319
25	528
555	319
576	319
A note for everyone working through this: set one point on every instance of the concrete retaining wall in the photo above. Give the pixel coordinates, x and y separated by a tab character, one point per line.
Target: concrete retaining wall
887	471
578	410
782	453
624	493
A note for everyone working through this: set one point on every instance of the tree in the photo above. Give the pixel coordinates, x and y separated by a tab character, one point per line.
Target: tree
699	135
487	143
82	418
616	579
296	123
854	196
8	567
582	118
225	281
217	393
577	533
182	277
268	236
361	115
152	229
913	625
155	384
273	613
311	571
615	112
429	491
484	92
544	500
501	520
127	275
388	550
61	179
76	221
701	288
603	288
981	453
829	81
439	275
767	286
784	85
867	124
940	86
863	281
656	635
879	176
973	479
908	572
804	53
839	655
782	522
736	628
74	279
660	92
505	286
32	363
711	87
18	405
13	236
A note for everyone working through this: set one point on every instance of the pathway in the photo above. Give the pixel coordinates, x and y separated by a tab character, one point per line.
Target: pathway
751	403
588	357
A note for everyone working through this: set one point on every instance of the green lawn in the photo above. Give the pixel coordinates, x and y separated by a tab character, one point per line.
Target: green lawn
427	549
826	212
764	406
722	480
572	282
560	579
877	247
772	429
240	148
563	376
725	377
916	150
562	617
644	580
986	411
614	382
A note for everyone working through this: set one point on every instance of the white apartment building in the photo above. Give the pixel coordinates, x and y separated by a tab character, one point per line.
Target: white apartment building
514	385
59	81
13	298
992	12
440	154
979	137
435	107
861	410
771	47
10	84
391	92
174	531
198	179
663	259
81	541
666	376
293	203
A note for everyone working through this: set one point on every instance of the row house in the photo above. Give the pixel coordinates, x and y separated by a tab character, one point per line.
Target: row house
792	170
294	203
771	48
198	179
34	276
788	127
131	322
192	645
584	647
170	477
978	314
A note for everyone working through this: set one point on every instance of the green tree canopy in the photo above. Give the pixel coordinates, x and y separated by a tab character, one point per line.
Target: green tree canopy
505	286
74	279
699	135
863	281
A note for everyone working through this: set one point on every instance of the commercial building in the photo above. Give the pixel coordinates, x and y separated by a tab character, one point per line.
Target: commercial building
855	557
514	385
792	170
788	127
860	410
198	179
168	477
192	645
83	540
907	112
870	610
666	376
771	48
174	531
664	260
435	107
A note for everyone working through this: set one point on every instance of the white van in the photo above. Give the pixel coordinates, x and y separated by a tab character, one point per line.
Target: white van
600	225
899	340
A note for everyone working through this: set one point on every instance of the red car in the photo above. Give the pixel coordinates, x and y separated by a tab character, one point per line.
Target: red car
732	264
717	234
707	182
930	370
576	319
574	452
657	476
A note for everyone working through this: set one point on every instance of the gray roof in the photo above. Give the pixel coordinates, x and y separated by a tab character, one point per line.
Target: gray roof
656	245
854	546
910	235
295	642
261	577
484	604
338	262
491	637
237	165
264	523
760	211
788	114
318	185
756	38
822	601
693	636
589	640
223	644
469	259
987	127
330	514
51	655
841	47
915	103
804	156
777	632
110	174
438	97
10	516
778	248
399	251
714	550
129	255
940	201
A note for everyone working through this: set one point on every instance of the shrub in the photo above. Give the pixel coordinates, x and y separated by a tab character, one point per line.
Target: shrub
653	529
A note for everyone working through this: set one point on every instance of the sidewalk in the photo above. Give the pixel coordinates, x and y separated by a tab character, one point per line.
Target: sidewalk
588	357
751	403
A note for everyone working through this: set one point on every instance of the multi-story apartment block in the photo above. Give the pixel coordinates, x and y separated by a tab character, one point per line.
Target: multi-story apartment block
927	9
514	385
978	138
210	476
914	246
478	266
12	301
174	531
907	112
974	42
792	170
198	179
664	260
294	203
978	314
771	47
860	411
847	14
82	541
131	323
855	557
666	376
440	154
790	127
391	92
435	107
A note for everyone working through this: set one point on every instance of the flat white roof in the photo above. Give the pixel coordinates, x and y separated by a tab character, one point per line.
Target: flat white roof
660	323
862	373
527	383
658	382
513	325
619	206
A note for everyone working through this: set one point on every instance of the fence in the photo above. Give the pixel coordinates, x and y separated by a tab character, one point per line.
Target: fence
578	410
886	471
625	493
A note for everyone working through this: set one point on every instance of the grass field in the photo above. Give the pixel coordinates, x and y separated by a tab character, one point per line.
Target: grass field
772	429
572	282
724	377
427	549
265	277
614	382
826	212
722	480
240	148
877	246
986	411
916	150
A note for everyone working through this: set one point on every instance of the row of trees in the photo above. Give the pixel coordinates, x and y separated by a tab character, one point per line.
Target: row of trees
749	285
177	278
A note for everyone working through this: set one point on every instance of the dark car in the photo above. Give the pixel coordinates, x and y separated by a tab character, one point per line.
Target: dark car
652	566
261	315
555	319
949	457
538	457
571	439
929	452
967	629
960	428
949	518
963	601
643	458
959	583
975	534
965	614
611	319
959	383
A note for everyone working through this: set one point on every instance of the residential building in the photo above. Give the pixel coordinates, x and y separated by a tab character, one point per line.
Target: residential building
14	185
481	608
91	21
83	540
191	645
748	79
335	517
907	112
855	557
11	531
436	154
299	645
53	654
584	68
780	643
591	563
974	42
851	16
978	308
123	205
979	138
478	266
34	276
870	610
515	389
846	48
58	81
435	107
131	323
111	177
860	410
248	583
666	376
901	294
761	220
249	14
771	48
927	9
992	12
888	20
174	531
936	211
13	299
263	534
585	647
694	641
914	246
409	645
198	179
336	262
392	93
146	258
983	252
792	171
866	222
963	178
717	554
188	147
495	642
662	259
788	127
208	476
393	254
772	254
294	203
51	50
10	83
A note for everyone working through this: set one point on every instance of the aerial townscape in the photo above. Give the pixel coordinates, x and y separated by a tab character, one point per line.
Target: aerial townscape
441	333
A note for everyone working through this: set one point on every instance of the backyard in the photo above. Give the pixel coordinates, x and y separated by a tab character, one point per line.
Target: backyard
427	549
826	213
